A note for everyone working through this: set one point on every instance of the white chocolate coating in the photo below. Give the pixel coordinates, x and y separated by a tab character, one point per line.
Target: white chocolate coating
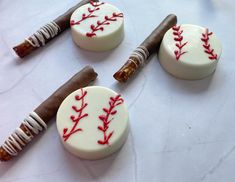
84	143
195	61
19	138
46	32
109	37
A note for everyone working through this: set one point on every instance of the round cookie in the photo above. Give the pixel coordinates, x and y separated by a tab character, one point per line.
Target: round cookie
189	52
97	26
93	122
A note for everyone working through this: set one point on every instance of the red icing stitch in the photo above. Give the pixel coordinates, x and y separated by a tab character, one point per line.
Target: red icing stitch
90	15
178	38
96	4
75	119
205	38
114	101
106	21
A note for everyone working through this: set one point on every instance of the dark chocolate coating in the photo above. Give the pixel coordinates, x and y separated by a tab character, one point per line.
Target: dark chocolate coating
63	21
151	43
49	107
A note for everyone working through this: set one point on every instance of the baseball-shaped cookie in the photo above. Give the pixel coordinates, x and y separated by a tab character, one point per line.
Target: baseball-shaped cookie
97	26
189	52
93	122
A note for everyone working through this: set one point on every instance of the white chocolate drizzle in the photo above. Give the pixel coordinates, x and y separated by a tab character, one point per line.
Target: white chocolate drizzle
141	53
46	32
19	138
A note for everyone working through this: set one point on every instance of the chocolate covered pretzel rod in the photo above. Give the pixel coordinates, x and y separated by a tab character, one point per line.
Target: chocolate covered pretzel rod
37	120
140	55
47	32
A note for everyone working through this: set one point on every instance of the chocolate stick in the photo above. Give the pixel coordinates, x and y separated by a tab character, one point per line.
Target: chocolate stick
38	119
47	32
140	55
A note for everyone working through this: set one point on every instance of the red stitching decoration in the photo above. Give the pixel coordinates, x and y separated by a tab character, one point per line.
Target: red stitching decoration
77	119
90	15
96	4
178	38
106	21
113	102
205	38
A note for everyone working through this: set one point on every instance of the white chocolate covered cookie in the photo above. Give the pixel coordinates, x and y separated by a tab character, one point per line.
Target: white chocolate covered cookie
97	26
189	52
93	122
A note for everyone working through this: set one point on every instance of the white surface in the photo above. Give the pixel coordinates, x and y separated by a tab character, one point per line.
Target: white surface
179	130
103	40
193	63
84	143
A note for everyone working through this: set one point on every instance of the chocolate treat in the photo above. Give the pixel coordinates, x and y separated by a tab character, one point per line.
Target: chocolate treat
140	55
189	52
93	122
38	119
97	26
47	32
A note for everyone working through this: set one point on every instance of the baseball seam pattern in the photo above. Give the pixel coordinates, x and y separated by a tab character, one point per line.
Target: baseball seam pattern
207	46
178	38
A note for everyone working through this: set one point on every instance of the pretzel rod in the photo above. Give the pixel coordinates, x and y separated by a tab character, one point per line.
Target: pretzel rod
140	55
47	32
37	120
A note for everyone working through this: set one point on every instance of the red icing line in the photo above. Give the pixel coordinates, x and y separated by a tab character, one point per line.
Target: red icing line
207	47
77	119
96	4
113	102
106	21
179	39
90	15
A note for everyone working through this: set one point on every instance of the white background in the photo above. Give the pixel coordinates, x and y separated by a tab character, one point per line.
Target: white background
181	131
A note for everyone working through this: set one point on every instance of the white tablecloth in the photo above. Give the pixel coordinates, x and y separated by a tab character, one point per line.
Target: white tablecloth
180	130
